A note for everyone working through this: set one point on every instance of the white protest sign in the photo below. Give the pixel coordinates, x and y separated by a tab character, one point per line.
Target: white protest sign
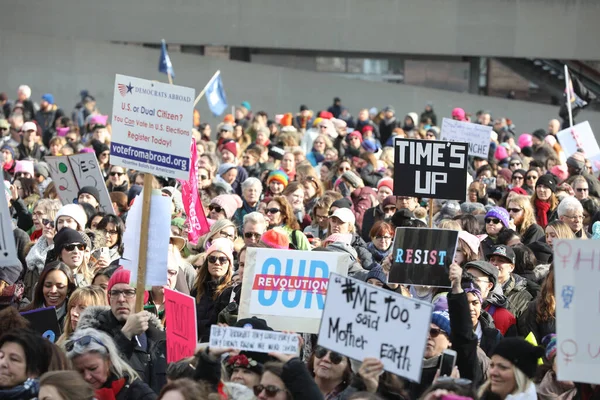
8	248
361	320
577	272
63	178
87	173
580	136
478	136
254	340
287	288
158	240
152	126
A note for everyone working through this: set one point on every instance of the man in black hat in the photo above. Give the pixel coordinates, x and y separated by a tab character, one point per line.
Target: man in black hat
90	195
513	286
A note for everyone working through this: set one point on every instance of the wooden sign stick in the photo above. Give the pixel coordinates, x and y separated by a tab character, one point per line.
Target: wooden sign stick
141	277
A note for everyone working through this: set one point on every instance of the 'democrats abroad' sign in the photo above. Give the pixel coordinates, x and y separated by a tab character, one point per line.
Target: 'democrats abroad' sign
361	320
287	288
422	256
430	168
152	126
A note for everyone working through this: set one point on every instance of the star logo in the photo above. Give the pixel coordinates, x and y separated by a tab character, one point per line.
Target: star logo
129	88
124	89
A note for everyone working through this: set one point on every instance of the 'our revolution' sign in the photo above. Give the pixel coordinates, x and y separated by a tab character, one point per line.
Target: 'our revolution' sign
431	169
423	256
288	288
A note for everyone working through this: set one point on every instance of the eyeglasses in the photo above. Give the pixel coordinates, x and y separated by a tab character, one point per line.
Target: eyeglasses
270	390
127	293
83	341
514	210
117	173
574	217
321	217
334	357
518	177
48	222
214	208
579	190
492	221
435	332
531	177
72	247
250	235
221	260
272	210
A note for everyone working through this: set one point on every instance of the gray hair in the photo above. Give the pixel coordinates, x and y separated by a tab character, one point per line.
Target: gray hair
248	183
107	349
254	218
569	204
26	90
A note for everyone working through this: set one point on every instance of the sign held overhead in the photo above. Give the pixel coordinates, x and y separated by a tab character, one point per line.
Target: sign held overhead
477	136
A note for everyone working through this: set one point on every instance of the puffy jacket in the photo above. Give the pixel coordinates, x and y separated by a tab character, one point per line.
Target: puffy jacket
149	363
364	255
516	292
490	336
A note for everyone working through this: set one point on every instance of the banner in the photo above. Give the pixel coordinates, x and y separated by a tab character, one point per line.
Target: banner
422	256
152	126
254	340
44	321
181	325
361	320
477	136
196	220
577	272
287	288
430	168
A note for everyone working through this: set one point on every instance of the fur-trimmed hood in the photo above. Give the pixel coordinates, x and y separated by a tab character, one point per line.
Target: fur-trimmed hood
95	317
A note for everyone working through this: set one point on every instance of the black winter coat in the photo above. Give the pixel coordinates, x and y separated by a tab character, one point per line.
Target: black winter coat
370	216
207	310
532	234
149	363
298	381
136	390
490	336
527	323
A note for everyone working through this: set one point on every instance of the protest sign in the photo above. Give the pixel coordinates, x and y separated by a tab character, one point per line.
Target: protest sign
361	320
577	272
287	288
44	321
430	168
152	126
71	173
581	137
182	330
8	249
159	233
254	340
477	136
422	256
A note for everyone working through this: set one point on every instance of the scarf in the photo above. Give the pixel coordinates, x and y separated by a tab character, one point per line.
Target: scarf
9	165
28	390
550	388
378	255
542	208
111	389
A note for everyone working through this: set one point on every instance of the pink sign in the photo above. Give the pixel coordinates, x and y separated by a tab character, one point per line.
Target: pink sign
182	331
196	220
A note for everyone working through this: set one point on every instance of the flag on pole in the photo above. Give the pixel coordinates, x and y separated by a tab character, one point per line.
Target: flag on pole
215	95
164	63
580	95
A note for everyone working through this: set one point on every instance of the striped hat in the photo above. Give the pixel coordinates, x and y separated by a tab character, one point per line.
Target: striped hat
278	176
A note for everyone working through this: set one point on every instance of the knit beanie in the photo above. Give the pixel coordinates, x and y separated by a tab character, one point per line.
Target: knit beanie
345	238
370	146
577	161
471	240
442	320
540	134
501	153
121	275
228	202
561	172
224	168
525	140
521	353
387	182
231	147
275	239
10	149
223	245
355	134
458	113
519	190
25	166
550	342
278	176
91	190
500	213
74	211
66	236
377	273
547	180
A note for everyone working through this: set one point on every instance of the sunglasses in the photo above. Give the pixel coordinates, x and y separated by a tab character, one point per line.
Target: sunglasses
221	260
579	190
272	210
270	390
343	169
531	177
335	358
117	173
518	177
83	341
214	208
515	164
435	332
250	235
78	246
514	210
492	221
48	222
203	177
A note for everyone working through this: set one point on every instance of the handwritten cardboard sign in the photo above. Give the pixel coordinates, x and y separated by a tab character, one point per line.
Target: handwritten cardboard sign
477	136
182	331
361	320
287	288
8	249
44	321
430	168
577	272
254	340
423	256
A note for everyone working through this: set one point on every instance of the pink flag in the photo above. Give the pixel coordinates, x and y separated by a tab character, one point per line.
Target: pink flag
196	220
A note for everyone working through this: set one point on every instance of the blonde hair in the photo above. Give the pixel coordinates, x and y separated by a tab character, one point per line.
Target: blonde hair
522	382
528	215
89	296
563	231
449	224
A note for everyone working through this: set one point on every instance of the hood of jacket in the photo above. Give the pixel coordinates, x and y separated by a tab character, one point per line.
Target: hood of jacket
497	299
95	317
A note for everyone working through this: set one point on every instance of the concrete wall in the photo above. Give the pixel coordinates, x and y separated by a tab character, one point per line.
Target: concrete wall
64	67
566	29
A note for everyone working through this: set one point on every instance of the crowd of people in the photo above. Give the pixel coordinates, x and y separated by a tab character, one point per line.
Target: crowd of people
311	181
